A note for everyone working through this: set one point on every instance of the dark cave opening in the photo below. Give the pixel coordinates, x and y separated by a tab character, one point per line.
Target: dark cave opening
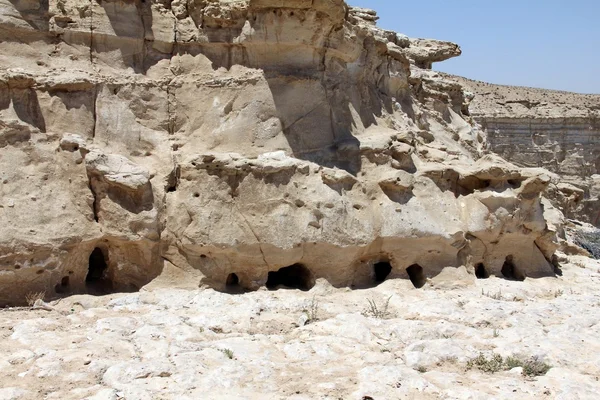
481	271
381	270
510	270
232	281
416	275
96	280
296	276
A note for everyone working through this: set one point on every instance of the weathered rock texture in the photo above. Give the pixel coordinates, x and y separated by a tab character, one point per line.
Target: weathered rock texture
559	131
237	138
168	343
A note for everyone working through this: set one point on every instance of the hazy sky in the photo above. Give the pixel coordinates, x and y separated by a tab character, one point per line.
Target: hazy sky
552	44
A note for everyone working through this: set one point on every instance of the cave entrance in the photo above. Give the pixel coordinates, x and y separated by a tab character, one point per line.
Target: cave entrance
381	271
416	275
96	280
232	280
481	272
296	276
232	284
510	270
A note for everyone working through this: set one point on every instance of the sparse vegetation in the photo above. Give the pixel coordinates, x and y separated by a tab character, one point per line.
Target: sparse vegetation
532	366
312	310
490	365
495	296
421	369
376	311
227	352
448	360
498	296
32	297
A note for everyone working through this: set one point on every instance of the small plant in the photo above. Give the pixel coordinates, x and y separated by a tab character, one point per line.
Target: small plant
531	367
489	365
312	310
421	369
495	296
373	310
447	335
558	293
227	352
32	297
447	360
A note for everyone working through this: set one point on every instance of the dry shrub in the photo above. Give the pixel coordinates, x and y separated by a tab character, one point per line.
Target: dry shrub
32	297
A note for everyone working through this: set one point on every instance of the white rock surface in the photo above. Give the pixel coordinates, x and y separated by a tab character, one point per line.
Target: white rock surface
187	344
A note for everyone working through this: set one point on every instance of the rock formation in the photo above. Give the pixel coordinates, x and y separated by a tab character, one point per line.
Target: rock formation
555	130
248	142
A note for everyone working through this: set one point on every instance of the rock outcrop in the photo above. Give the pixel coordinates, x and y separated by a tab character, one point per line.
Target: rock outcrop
555	130
250	142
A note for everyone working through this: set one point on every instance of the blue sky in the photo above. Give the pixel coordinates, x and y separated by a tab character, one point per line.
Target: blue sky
553	44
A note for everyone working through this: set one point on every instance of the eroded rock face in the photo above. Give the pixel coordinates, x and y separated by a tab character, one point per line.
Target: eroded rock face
555	130
236	138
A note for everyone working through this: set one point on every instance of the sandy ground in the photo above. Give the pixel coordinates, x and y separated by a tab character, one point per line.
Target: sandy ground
167	343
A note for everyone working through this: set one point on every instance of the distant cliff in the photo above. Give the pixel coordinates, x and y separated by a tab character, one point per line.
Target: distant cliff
559	131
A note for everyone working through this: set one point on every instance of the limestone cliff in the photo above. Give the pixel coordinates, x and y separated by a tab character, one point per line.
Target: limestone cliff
248	142
559	131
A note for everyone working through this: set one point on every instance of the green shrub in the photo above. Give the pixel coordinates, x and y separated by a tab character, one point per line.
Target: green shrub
490	365
228	353
531	366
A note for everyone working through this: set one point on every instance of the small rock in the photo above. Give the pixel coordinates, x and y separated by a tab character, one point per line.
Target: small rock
516	371
303	320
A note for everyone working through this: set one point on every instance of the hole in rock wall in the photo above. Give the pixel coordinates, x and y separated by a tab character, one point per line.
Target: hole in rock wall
481	272
416	275
97	281
510	270
173	180
296	276
63	286
381	270
514	183
232	281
